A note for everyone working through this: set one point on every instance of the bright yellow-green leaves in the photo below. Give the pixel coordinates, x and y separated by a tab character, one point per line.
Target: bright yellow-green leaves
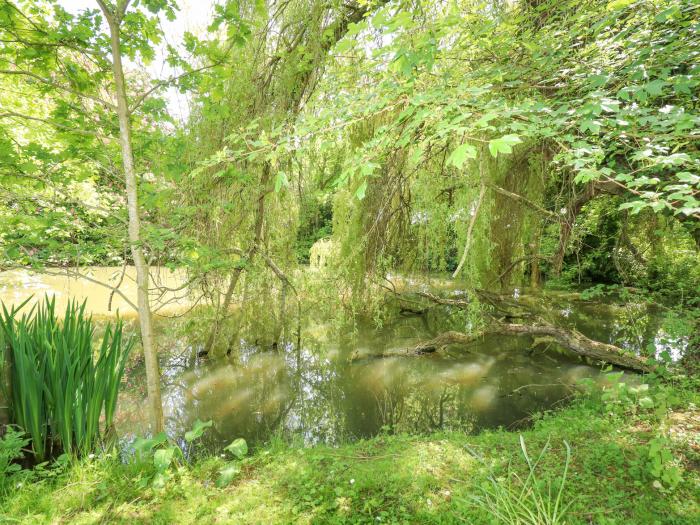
460	155
503	145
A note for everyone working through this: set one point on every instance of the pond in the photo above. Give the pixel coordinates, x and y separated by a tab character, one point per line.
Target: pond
314	389
312	386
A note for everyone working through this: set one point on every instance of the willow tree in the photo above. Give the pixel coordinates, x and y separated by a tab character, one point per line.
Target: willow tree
473	138
78	70
237	223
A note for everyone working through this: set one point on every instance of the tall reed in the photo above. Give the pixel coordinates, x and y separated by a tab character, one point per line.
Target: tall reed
59	385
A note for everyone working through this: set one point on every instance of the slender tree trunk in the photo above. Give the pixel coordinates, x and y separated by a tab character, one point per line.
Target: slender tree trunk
134	228
470	229
535	275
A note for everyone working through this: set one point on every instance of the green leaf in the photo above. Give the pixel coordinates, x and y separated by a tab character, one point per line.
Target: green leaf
646	402
144	446
619	4
690	178
163	458
586	175
503	145
459	156
655	87
239	448
197	430
485	119
635	206
361	190
346	44
280	181
227	474
590	125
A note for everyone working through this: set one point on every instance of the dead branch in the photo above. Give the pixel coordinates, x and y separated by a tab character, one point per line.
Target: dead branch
569	339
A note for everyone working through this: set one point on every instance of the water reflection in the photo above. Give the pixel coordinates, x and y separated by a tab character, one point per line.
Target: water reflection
315	391
311	388
94	285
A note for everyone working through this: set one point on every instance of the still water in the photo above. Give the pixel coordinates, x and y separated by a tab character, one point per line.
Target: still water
94	285
310	387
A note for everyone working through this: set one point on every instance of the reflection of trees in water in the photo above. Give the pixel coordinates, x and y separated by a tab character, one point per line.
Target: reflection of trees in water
633	325
243	401
309	388
397	396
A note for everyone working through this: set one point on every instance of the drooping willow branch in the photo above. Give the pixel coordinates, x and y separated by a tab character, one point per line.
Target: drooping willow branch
470	230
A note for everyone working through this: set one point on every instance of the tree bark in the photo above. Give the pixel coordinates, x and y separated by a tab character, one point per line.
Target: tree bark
134	227
569	339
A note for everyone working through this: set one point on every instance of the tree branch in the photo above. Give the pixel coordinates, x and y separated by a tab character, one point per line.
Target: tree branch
56	85
14	114
470	230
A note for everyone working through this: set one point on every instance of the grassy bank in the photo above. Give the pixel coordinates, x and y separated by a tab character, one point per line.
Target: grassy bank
634	459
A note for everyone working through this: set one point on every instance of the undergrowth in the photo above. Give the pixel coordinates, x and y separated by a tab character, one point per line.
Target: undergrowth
607	459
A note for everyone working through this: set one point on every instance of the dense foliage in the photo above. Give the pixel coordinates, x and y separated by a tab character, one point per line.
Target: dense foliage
60	393
333	154
576	119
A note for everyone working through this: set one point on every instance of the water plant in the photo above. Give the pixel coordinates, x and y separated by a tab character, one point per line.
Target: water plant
60	387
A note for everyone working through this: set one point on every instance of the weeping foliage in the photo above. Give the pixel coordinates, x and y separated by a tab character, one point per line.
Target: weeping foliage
60	388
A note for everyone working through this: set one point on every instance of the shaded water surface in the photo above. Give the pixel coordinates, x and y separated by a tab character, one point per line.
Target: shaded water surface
310	387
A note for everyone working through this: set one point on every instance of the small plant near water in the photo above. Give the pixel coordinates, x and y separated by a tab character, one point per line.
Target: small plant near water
11	450
529	501
168	457
59	385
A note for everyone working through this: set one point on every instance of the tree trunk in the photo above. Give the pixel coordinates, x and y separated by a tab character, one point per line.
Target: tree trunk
134	228
570	339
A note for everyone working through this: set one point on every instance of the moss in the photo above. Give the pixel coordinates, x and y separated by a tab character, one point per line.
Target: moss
389	479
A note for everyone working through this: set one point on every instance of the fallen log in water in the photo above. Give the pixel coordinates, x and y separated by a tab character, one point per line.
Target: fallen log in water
569	339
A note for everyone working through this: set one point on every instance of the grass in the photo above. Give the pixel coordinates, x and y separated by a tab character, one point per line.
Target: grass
523	500
396	479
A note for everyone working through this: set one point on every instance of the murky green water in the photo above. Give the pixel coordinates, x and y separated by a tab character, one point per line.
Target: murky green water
309	387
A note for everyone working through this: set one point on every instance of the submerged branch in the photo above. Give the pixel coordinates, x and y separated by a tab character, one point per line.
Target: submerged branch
569	339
